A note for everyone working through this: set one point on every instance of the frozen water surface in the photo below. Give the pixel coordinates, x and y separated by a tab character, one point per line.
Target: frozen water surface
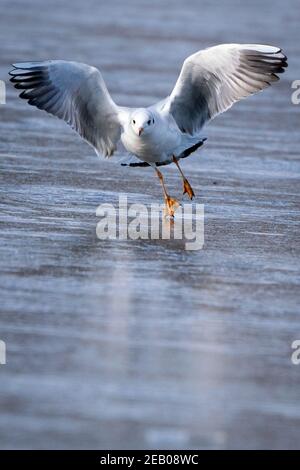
141	344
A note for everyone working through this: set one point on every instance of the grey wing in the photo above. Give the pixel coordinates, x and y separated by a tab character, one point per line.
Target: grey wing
75	93
212	80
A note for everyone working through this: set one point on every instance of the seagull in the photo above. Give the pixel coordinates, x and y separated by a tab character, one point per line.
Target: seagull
210	82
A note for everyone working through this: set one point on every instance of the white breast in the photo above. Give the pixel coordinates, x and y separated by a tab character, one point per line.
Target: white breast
154	146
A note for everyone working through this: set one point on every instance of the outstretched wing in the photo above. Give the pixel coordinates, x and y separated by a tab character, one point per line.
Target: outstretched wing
75	93
212	80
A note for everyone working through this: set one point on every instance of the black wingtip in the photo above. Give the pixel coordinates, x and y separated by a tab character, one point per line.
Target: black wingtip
192	149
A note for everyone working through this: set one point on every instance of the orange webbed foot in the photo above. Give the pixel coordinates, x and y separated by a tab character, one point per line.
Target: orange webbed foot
187	188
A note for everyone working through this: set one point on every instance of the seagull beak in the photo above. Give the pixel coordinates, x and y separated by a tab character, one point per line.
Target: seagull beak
141	129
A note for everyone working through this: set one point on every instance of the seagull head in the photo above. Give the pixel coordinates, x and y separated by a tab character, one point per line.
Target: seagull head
142	121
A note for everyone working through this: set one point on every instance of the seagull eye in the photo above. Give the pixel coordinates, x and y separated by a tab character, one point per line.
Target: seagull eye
149	122
133	121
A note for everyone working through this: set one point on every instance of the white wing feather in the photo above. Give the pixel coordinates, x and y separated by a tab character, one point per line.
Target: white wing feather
75	93
213	79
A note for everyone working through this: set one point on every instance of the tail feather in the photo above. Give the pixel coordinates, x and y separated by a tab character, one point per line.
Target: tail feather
183	154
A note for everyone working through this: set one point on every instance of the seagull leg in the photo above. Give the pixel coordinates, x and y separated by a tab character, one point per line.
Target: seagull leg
171	203
187	188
